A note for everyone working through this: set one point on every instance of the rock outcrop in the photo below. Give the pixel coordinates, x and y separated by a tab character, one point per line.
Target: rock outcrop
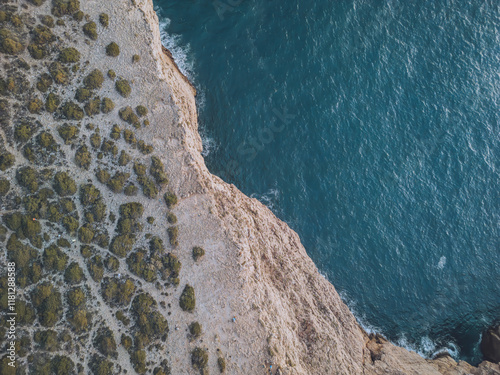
490	344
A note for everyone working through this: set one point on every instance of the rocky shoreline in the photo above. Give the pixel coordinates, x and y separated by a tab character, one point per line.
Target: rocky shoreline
257	297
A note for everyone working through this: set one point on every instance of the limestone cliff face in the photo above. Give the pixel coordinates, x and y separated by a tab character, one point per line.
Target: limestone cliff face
256	270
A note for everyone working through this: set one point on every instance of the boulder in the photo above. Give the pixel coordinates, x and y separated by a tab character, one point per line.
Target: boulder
490	344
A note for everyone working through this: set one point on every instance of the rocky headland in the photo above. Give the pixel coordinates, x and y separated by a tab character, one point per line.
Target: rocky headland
130	256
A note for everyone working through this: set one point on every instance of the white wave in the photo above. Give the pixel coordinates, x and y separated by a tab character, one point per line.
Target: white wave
269	199
180	53
361	319
209	144
441	263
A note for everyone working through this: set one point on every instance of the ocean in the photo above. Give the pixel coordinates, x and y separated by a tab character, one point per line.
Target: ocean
372	129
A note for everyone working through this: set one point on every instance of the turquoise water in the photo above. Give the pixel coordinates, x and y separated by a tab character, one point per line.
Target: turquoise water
372	129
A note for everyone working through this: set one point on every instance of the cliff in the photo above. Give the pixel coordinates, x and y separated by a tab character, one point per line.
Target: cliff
259	298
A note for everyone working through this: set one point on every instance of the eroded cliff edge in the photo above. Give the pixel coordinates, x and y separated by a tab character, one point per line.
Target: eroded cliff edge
259	297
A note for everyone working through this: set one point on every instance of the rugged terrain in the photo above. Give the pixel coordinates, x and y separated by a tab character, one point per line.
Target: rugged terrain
130	256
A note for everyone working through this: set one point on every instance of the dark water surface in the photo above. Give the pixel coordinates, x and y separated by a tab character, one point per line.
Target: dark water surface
372	128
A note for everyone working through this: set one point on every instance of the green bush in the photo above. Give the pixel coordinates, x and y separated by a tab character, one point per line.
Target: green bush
149	188
144	148
37	52
86	234
64	7
128	115
112	49
73	274
54	259
117	182
9	43
136	58
139	169
112	264
95	140
123	87
75	297
124	158
78	16
47	340
105	343
83	94
199	359
89	195
48	21
130	190
150	220
52	102
82	157
44	82
104	19
109	146
126	341
96	268
63	184
101	366
35	105
129	137
171	218
138	359
70	224
24	132
116	291
111	74
187	300
68	132
7	160
198	252
170	199
195	329
69	55
94	80
102	175
115	132
107	105
59	73
47	301
90	30
93	107
121	245
72	111
221	362
157	171
26	177
141	110
4	186
173	233
37	2
132	210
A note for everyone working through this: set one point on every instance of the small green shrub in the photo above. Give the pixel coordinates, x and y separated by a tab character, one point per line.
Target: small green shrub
37	2
150	220
52	102
117	182
4	186
221	362
123	87
199	359
112	49
90	30
7	160
136	58
35	105
131	190
111	74
86	234
187	301
144	148
171	218
126	341
105	343
83	157
73	274
24	132
64	7
26	177
129	137
78	16
95	140
70	224
9	43
109	146
195	329
75	297
157	171
170	199
115	132
94	80
141	110
132	210
64	185
44	82
112	264
198	252
104	19
138	359
124	158
68	132
59	73
93	107
103	176
121	245
140	169
69	55
71	111
47	301
149	188
96	268
128	115
107	105
83	94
